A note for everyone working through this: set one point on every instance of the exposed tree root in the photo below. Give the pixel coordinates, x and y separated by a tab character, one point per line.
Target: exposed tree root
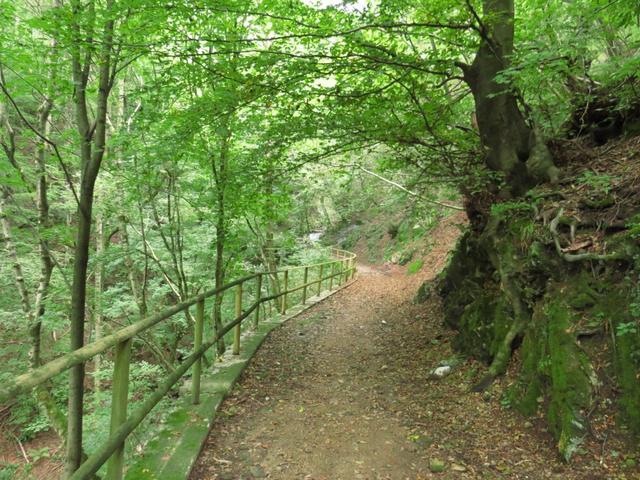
578	257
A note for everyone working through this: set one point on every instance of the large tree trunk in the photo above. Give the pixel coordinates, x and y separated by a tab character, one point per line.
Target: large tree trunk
511	146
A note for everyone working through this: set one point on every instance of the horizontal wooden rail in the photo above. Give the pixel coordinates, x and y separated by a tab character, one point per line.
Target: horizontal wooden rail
348	256
92	464
29	380
343	267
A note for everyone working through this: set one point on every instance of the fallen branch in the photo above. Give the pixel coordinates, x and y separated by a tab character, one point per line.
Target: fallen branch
404	189
22	450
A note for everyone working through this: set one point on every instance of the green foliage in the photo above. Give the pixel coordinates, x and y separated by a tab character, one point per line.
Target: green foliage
415	266
633	224
511	208
229	144
627	328
599	182
8	471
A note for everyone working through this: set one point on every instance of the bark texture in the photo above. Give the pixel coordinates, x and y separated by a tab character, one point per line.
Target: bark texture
511	146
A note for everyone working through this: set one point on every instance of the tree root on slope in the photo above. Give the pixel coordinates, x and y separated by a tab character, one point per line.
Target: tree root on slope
578	257
503	355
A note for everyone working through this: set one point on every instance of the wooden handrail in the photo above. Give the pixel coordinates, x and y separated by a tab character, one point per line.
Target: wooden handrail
351	256
121	425
29	380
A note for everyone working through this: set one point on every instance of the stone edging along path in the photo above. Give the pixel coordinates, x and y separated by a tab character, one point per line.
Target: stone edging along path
172	453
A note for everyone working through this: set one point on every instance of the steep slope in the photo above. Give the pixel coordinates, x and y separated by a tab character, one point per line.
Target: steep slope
554	276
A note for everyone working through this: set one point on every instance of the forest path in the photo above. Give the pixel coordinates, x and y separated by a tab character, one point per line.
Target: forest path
343	392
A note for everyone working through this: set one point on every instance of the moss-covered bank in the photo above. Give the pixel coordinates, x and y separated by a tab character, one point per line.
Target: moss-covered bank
536	279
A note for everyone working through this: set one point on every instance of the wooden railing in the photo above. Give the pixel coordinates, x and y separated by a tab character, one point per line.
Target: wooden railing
341	269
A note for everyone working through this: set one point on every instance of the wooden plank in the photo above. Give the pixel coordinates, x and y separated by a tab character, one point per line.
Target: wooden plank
320	279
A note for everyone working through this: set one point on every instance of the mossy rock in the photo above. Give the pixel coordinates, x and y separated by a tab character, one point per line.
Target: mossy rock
555	372
568	307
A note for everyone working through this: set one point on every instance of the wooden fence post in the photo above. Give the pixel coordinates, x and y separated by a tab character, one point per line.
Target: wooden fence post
119	400
197	343
284	292
320	279
304	282
237	328
256	318
333	271
276	302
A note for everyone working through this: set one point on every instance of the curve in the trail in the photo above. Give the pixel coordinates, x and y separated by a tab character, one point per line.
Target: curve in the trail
343	392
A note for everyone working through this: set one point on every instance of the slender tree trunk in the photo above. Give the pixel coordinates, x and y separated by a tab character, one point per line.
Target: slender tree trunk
220	176
97	304
46	262
137	287
92	148
268	256
34	312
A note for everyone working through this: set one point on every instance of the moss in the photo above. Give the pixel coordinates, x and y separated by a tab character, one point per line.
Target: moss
423	293
570	389
556	368
474	333
627	370
599	203
512	266
524	394
483	325
626	355
463	279
582	295
501	321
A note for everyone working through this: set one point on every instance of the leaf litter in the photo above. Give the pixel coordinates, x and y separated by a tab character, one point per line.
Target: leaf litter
352	398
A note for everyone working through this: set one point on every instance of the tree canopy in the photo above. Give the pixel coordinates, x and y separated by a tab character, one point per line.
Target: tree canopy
152	148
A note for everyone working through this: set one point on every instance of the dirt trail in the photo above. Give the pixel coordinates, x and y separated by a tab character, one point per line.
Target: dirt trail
343	392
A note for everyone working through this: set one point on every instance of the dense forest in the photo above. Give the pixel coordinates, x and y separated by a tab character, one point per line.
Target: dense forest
154	149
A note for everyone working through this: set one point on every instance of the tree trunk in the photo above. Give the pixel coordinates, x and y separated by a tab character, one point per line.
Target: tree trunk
92	148
511	146
97	303
220	177
267	250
